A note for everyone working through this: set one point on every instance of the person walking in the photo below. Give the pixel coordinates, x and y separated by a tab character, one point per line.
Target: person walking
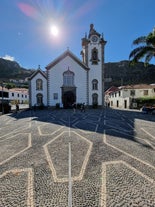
83	107
74	107
17	108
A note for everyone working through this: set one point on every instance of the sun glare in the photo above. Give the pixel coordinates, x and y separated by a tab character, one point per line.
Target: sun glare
54	30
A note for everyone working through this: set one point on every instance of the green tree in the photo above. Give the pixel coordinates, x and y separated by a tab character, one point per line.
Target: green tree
10	85
146	49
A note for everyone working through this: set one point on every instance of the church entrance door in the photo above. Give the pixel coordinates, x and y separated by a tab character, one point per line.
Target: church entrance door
68	97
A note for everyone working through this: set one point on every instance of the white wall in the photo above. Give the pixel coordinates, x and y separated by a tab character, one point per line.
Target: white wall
34	92
55	80
19	96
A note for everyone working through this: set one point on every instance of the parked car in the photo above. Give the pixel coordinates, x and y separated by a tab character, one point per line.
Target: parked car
148	109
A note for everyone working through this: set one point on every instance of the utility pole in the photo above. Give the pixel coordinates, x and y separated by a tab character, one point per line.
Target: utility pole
2	84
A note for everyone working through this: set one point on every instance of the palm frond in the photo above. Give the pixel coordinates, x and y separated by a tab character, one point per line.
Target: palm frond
147	50
148	57
150	39
140	40
136	51
141	52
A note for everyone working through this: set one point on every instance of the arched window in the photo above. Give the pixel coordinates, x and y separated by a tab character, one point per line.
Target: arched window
68	78
39	99
94	84
39	84
94	57
95	98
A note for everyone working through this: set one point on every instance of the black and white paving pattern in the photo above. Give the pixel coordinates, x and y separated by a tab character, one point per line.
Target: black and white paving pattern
111	160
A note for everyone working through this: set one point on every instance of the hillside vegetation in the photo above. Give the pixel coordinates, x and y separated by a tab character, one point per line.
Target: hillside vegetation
121	73
116	73
12	70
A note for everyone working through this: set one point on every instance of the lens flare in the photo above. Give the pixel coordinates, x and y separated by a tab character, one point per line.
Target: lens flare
28	10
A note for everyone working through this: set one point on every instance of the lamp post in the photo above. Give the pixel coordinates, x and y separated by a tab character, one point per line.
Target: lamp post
2	84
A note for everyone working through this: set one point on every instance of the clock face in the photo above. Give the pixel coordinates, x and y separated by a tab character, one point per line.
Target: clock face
94	39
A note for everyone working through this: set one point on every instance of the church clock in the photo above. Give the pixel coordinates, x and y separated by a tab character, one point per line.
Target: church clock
94	38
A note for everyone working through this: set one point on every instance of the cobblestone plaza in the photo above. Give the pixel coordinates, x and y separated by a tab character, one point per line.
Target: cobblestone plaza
112	158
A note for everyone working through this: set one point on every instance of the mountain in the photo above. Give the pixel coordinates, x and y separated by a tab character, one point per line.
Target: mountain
121	73
12	70
116	73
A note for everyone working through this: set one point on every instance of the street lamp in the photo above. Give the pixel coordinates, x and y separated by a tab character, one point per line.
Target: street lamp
2	84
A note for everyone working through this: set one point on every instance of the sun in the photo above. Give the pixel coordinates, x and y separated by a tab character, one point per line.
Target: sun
54	30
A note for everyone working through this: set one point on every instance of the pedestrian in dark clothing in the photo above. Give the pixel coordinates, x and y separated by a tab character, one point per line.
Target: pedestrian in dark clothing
35	107
74	107
17	108
83	107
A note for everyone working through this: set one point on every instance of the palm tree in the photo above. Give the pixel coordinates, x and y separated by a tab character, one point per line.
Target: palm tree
146	50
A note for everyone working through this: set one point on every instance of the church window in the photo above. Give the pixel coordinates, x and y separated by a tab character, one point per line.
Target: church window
39	99
55	96
39	84
68	78
94	57
94	84
95	98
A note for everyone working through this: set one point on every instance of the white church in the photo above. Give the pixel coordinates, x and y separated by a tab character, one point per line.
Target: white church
69	80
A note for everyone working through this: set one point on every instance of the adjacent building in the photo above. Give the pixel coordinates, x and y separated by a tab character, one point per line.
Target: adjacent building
16	95
127	96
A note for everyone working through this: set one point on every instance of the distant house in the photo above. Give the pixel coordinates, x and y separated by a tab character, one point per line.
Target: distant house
127	96
19	81
13	81
108	93
19	95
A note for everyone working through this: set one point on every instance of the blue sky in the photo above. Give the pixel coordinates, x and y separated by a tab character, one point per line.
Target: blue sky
25	34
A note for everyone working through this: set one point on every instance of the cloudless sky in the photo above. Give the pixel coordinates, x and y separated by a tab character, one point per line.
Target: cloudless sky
25	34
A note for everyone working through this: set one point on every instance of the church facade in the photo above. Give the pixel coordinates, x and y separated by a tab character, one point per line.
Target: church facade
69	80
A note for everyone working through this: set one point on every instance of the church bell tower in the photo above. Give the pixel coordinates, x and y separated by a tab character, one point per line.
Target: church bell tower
93	56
